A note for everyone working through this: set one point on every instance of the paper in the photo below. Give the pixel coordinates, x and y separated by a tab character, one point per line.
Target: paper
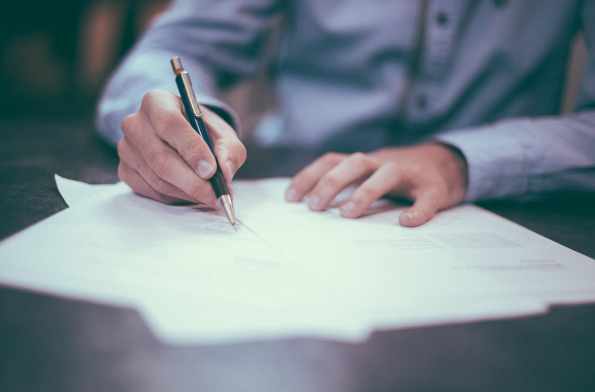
74	192
288	271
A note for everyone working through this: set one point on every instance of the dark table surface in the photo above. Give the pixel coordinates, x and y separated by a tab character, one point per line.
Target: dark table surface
55	344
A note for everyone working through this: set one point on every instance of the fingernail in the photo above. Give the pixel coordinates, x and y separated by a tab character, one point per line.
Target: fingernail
409	215
348	208
313	202
290	194
204	169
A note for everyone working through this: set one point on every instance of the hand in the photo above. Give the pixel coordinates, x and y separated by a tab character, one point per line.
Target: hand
432	175
162	157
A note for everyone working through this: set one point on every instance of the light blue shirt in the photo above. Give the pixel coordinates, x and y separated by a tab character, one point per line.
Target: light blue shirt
352	75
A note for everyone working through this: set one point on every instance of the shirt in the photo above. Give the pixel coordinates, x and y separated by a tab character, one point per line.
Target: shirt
483	76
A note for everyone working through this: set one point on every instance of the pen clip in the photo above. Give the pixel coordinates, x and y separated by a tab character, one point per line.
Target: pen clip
183	78
191	97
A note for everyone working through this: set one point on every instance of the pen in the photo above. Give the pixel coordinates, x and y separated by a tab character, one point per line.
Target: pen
195	118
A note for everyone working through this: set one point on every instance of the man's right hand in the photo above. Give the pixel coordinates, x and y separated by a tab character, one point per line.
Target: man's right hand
162	156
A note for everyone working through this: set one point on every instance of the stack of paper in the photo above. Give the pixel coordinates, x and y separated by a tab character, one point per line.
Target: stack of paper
288	271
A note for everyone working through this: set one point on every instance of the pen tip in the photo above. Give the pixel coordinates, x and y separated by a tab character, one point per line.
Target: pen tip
227	207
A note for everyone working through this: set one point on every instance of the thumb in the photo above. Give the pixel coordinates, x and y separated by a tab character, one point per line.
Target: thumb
422	210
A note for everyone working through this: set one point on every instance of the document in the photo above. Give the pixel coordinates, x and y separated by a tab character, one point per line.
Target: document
287	271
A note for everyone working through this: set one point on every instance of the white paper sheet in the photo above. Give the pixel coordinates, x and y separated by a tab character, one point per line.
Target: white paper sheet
74	192
288	271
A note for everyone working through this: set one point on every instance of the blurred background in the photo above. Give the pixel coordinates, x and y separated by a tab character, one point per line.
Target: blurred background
56	55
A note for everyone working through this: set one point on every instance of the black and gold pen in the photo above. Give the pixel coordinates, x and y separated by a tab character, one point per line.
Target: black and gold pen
194	116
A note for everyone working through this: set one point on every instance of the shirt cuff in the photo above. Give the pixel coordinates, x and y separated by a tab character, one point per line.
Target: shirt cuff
495	161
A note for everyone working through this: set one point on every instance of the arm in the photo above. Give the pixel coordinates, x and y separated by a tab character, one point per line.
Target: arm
533	158
219	42
520	158
515	158
161	157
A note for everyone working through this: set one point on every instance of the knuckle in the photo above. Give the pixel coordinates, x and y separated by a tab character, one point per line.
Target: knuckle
332	157
128	123
330	180
393	169
123	173
124	150
239	151
359	158
364	192
121	147
233	150
362	160
150	98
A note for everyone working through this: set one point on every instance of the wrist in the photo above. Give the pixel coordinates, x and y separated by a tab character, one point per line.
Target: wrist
454	161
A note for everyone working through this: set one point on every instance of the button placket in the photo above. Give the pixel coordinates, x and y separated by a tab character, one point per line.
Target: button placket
442	18
439	42
499	3
440	37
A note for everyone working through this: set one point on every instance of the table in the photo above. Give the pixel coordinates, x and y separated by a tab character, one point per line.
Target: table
55	344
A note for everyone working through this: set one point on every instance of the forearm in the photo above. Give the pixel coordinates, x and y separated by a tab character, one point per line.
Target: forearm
219	44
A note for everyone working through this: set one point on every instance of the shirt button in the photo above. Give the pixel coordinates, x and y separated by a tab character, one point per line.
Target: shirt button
441	18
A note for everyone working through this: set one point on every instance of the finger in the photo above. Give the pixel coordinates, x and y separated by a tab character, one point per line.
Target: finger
423	208
140	186
163	160
385	179
132	161
308	177
167	117
349	170
230	151
231	155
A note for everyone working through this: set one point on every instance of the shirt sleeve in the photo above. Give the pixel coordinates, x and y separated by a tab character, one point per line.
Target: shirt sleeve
218	42
529	158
